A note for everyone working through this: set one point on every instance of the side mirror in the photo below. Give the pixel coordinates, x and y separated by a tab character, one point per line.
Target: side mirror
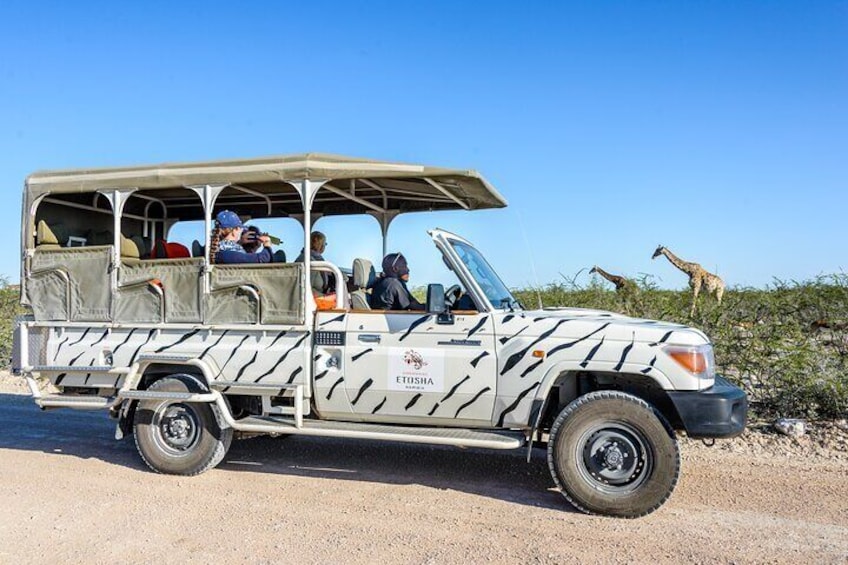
436	304
436	299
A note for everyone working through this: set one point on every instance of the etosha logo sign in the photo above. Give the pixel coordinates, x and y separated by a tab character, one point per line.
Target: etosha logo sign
416	370
412	357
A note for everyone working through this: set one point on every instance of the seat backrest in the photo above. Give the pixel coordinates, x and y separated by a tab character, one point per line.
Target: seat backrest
197	249
141	245
279	285
169	250
180	279
45	237
363	274
363	278
129	248
70	283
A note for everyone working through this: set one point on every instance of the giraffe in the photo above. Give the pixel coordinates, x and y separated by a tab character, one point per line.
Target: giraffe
620	282
698	276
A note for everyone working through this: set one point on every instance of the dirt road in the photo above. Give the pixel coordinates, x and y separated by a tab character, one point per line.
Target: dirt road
70	494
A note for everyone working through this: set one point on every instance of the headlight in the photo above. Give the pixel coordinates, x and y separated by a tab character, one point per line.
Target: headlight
697	359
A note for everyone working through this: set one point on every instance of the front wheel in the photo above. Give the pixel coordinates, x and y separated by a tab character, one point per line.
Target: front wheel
179	438
611	453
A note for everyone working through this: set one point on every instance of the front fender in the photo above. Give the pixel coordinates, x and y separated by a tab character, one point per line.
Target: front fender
554	371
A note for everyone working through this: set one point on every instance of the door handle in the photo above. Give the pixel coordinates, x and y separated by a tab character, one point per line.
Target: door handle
369	338
473	342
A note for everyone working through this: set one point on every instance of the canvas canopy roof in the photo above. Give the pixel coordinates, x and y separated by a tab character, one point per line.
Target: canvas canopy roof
266	186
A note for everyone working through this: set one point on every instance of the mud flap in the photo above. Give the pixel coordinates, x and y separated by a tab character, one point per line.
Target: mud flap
125	420
536	411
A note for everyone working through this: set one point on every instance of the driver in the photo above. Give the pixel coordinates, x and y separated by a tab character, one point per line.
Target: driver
390	292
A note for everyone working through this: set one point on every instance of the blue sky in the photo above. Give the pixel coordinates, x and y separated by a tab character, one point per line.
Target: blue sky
718	129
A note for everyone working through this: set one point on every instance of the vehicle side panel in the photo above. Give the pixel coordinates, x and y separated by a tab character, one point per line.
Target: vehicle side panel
235	355
575	342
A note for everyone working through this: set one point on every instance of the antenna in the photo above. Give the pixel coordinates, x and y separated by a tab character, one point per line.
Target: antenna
532	261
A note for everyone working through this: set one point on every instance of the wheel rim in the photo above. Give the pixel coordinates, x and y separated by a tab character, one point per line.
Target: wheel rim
614	457
176	428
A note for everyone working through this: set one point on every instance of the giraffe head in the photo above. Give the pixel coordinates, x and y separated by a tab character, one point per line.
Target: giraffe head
658	252
594	270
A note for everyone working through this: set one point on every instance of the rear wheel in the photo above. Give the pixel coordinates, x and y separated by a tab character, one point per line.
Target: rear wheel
179	438
611	453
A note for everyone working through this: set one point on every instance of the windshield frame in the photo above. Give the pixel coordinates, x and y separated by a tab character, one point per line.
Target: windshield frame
446	242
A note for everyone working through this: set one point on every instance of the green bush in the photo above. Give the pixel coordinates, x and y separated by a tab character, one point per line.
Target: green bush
786	345
9	308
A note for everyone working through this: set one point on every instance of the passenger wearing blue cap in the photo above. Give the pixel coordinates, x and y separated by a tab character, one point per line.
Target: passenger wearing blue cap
224	246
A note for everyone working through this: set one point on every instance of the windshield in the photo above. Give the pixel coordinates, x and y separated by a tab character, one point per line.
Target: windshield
492	286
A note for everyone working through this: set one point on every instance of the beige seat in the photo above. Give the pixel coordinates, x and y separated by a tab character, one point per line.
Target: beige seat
363	278
45	238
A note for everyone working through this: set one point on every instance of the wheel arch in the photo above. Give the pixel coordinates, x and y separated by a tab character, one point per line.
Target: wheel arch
564	383
194	373
155	370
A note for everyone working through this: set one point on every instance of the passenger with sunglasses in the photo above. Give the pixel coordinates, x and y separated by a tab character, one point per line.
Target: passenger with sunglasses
390	291
322	282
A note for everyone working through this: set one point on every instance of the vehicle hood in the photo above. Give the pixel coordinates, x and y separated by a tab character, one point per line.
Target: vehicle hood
577	322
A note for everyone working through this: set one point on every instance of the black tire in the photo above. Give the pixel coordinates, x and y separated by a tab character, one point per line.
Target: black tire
179	438
611	453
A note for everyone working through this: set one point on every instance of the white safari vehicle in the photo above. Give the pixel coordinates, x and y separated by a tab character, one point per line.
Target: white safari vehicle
185	353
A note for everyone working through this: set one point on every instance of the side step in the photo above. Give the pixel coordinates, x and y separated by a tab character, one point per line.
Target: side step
94	402
77	369
490	439
78	402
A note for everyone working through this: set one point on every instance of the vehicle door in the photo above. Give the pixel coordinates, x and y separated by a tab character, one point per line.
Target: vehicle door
407	367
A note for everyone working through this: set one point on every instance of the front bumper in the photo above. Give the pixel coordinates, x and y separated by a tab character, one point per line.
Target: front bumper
716	412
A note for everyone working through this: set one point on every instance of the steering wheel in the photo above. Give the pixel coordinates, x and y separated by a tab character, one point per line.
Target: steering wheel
452	294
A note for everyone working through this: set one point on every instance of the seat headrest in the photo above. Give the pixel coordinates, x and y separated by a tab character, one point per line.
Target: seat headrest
44	235
363	273
129	249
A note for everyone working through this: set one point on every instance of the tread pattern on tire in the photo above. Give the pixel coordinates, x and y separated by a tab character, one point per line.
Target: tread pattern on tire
221	447
606	395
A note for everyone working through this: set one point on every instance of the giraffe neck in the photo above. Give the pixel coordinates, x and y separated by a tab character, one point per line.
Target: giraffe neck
684	266
606	275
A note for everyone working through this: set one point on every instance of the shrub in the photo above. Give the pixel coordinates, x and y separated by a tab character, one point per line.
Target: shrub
786	345
9	308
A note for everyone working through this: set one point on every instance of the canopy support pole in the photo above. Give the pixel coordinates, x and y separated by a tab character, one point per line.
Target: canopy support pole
385	219
117	198
307	190
207	193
